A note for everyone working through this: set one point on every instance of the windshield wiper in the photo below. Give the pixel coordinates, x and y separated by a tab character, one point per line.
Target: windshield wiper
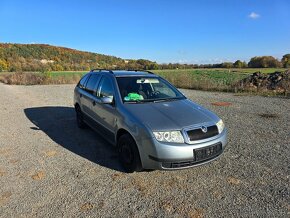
134	102
167	99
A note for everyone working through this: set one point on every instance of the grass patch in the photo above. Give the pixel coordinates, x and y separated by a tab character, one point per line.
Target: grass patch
202	79
67	73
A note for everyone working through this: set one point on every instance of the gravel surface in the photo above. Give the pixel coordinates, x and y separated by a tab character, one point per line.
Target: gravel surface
50	168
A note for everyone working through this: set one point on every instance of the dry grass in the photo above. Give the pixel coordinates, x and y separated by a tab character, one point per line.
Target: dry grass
2	172
37	79
86	207
221	104
117	176
4	197
50	153
233	181
38	176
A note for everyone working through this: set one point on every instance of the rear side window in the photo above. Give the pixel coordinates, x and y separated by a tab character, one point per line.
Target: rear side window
106	88
92	83
82	82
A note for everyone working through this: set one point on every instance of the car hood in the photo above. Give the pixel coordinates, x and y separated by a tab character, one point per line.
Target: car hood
171	115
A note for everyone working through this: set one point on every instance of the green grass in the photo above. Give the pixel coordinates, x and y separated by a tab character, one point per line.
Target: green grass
209	79
221	76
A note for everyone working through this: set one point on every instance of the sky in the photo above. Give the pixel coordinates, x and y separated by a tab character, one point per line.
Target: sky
177	31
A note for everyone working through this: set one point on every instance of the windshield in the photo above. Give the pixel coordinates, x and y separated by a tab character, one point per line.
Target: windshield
147	89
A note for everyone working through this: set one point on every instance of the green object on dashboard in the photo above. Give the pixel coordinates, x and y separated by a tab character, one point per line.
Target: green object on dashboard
133	97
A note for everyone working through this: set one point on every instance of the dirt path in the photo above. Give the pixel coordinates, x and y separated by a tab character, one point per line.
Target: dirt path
50	168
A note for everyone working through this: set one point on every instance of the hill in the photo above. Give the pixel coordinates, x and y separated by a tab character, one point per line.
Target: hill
43	57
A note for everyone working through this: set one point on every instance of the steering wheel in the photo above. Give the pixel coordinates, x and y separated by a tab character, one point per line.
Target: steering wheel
154	93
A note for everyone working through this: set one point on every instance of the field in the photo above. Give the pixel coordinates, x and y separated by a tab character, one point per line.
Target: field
200	79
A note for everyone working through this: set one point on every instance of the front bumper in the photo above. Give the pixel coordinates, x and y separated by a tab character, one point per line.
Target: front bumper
160	155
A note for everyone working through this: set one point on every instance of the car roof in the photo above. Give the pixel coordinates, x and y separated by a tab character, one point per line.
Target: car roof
121	73
125	73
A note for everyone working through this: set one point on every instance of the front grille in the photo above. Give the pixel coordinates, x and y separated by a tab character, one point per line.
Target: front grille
199	155
198	134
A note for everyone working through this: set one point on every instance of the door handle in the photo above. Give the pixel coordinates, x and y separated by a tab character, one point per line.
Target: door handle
94	103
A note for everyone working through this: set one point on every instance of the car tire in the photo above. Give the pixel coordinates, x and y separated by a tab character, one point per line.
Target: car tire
80	119
129	154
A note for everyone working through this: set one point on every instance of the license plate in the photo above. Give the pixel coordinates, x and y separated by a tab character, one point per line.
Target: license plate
207	152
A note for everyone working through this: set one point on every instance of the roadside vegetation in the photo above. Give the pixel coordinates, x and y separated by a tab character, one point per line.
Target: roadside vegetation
37	78
227	80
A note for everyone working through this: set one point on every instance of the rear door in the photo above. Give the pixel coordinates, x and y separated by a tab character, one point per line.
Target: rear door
80	90
87	98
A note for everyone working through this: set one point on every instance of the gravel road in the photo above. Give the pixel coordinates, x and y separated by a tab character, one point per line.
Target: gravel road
50	168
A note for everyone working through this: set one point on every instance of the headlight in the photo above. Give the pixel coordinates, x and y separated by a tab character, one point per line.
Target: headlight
220	125
172	136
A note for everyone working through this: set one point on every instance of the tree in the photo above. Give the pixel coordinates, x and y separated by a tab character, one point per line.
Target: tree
227	65
245	65
238	64
264	62
286	60
3	65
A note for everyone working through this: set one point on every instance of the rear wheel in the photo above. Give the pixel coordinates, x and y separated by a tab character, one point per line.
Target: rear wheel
80	118
129	154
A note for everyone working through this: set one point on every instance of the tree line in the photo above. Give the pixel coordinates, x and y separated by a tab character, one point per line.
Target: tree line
42	57
255	62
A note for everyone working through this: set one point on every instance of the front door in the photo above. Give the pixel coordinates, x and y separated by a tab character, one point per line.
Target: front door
105	114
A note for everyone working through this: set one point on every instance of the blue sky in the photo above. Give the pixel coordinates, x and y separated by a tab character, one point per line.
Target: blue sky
186	31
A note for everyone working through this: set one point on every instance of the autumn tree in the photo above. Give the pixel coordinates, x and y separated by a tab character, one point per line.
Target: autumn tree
3	65
286	60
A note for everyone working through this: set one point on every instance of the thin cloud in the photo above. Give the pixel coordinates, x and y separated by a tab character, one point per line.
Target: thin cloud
254	15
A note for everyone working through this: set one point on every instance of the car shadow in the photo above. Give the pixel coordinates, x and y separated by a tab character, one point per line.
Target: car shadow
59	124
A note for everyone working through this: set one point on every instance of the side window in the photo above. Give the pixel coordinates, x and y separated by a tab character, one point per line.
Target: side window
82	82
106	88
92	83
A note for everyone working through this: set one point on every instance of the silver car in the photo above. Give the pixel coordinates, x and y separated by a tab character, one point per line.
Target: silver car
153	125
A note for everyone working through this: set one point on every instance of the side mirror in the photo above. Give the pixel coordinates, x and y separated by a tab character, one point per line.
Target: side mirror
107	100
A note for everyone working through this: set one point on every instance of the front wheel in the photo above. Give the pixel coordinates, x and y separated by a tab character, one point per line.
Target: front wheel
129	154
